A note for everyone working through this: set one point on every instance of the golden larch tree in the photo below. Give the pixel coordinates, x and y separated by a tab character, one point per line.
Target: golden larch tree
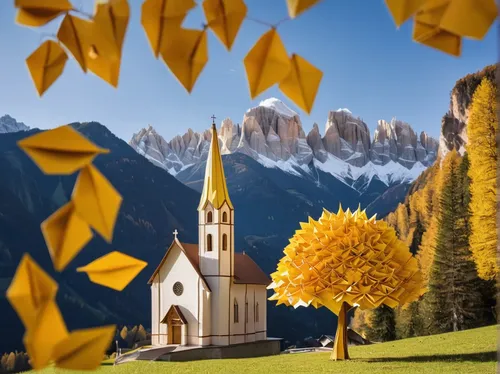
481	147
346	260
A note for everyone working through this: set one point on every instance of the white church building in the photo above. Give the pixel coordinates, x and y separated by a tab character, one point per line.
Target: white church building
206	294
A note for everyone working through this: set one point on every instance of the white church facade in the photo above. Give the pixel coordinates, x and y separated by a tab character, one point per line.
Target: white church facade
206	294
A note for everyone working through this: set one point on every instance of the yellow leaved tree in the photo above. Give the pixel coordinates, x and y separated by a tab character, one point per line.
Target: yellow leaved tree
346	260
483	155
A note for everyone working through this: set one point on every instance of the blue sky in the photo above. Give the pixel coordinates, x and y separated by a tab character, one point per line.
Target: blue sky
369	66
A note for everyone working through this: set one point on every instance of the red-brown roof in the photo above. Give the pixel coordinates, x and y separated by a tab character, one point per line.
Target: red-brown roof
246	271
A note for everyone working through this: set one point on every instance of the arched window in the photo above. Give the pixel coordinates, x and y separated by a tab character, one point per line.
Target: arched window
224	217
209	217
209	242
235	311
224	242
257	312
246	311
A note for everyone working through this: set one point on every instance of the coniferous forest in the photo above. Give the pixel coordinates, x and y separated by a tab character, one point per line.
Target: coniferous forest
449	222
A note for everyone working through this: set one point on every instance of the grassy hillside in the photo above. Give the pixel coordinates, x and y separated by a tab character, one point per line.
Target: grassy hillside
471	351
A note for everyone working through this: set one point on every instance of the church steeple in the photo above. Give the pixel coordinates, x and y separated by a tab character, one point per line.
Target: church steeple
214	188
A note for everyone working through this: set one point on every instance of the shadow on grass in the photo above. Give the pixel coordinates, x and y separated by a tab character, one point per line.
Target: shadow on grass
479	357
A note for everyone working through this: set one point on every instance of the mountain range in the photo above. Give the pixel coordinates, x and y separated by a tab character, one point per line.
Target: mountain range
272	134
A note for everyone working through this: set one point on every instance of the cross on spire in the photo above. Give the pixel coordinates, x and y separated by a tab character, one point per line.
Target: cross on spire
213	119
175	233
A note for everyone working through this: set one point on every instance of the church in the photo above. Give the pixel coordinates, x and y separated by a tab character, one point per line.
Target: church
205	294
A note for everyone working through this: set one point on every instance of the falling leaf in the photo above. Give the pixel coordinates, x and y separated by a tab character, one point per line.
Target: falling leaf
115	13
83	349
186	55
267	63
426	31
403	10
224	17
297	7
48	331
97	44
65	234
103	48
30	290
161	19
72	32
37	13
46	64
469	18
301	85
96	201
114	270
62	150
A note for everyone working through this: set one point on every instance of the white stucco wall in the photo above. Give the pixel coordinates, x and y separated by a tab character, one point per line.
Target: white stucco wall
177	268
217	261
154	312
252	330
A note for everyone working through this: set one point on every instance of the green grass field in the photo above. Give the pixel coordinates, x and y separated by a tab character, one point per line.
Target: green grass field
472	351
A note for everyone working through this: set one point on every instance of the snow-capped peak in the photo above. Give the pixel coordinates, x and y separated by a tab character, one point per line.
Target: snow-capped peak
344	110
278	105
9	124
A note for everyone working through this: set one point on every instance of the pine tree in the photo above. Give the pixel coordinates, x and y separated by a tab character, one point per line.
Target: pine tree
481	131
453	296
409	322
383	324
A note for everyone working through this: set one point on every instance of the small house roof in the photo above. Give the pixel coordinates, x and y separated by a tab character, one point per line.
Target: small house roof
246	271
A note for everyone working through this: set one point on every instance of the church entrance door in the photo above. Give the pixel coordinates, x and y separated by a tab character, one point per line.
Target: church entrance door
176	323
176	334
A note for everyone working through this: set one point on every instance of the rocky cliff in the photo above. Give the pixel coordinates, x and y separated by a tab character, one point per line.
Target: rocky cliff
454	122
272	134
9	124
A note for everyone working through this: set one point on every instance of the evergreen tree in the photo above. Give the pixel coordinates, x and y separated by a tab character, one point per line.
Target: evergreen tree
409	322
383	324
453	296
482	149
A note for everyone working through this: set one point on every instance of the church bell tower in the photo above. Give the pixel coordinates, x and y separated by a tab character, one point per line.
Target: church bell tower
216	240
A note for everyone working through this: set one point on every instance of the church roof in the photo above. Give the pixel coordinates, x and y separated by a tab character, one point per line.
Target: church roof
214	188
246	271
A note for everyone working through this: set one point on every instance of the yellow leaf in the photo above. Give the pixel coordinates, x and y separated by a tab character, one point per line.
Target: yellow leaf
72	33
114	270
65	234
83	349
30	290
225	17
62	150
297	7
49	330
38	13
116	14
469	18
431	35
103	49
161	19
96	201
46	64
186	55
403	10
267	63
301	85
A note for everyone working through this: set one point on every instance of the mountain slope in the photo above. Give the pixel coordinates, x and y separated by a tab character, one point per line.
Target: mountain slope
144	230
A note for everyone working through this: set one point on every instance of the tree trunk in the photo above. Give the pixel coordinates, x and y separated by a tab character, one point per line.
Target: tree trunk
340	346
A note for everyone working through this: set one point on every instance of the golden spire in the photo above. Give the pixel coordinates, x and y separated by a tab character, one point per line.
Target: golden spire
214	187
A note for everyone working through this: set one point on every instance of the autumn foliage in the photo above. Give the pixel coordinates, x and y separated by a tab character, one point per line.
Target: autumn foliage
482	150
96	43
344	260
